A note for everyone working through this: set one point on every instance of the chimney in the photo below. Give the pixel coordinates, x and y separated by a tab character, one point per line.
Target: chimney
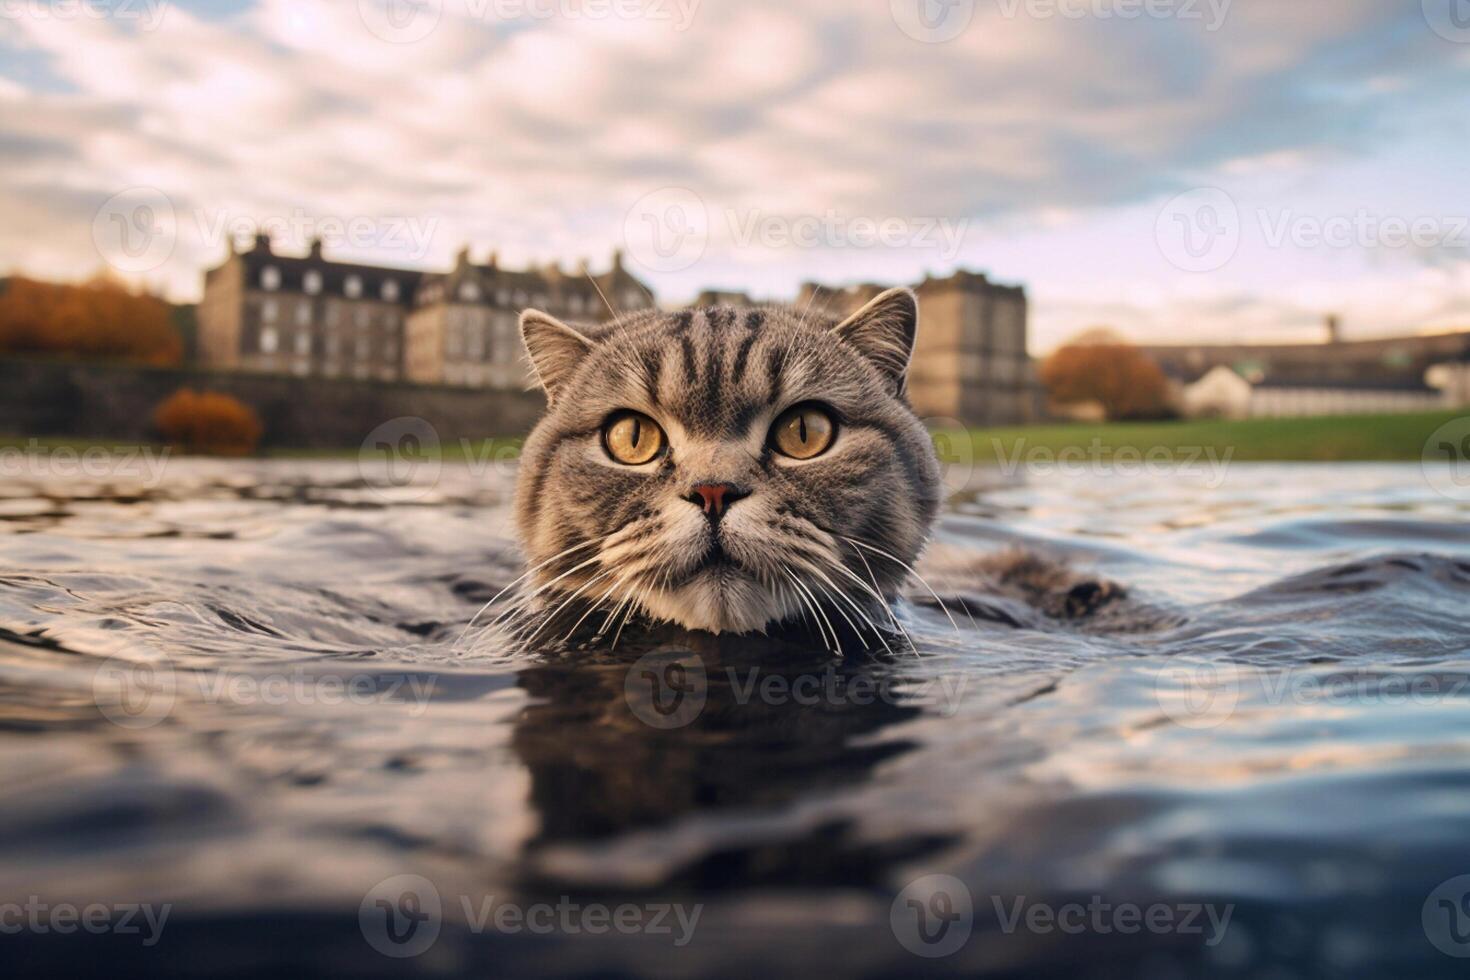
316	248
1334	329
617	265
462	260
494	262
263	243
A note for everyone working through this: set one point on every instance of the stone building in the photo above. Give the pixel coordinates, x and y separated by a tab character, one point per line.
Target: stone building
463	327
304	315
970	363
313	317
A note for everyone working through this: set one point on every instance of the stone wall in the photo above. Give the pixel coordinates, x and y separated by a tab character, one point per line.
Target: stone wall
116	401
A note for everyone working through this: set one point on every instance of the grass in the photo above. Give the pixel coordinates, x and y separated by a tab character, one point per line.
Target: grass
1346	438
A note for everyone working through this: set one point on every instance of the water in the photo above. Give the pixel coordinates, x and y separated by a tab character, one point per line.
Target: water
235	692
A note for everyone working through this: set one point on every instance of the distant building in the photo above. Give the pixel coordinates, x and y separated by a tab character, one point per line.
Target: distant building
970	363
1396	374
314	317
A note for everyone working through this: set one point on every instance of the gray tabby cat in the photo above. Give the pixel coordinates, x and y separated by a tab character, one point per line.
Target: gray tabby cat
729	471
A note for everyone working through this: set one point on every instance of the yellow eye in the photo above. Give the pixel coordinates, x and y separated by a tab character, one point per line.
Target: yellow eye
632	438
803	432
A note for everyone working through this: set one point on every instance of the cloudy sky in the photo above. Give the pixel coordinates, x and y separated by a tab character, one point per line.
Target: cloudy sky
1178	169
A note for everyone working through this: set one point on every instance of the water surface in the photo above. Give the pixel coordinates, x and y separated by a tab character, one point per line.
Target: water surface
237	691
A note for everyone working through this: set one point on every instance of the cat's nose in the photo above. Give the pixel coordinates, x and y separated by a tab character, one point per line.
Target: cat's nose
716	498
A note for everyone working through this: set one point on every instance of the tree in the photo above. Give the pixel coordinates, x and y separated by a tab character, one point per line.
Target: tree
100	318
208	422
1100	366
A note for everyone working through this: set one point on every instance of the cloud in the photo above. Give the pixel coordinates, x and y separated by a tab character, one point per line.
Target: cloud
536	133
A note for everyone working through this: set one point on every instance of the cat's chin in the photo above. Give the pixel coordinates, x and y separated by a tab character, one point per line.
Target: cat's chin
719	599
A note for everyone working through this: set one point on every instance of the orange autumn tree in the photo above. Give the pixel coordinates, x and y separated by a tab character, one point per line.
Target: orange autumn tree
208	422
1100	366
100	318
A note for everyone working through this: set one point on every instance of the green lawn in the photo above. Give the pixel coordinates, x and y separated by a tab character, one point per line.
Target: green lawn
1339	438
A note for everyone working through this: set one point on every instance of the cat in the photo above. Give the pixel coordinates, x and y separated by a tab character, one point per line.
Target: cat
727	471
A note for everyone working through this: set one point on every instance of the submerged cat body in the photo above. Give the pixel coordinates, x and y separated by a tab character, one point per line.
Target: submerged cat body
725	471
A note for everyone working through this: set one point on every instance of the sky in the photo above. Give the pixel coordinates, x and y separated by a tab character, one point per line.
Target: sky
1179	170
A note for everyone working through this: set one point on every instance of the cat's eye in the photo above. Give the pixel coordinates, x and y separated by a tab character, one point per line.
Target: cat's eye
803	431
632	438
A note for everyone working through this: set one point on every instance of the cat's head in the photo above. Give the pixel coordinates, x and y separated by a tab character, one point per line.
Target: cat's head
726	470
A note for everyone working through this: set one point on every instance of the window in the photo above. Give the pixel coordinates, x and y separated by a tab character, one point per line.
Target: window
312	283
331	315
270	278
332	346
502	296
469	292
451	342
269	340
303	314
353	287
390	290
268	311
303	342
363	349
476	343
362	318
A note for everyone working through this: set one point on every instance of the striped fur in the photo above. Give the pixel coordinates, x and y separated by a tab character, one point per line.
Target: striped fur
815	540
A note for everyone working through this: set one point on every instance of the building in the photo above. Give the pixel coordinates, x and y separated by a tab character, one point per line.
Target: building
304	315
970	362
463	327
314	317
1394	374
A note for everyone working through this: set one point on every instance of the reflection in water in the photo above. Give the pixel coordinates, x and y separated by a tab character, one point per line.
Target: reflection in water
1285	737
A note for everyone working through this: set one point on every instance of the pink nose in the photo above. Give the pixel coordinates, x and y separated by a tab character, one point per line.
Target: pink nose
715	497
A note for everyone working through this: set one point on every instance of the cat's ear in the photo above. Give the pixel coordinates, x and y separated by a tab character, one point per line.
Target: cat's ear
555	349
884	331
